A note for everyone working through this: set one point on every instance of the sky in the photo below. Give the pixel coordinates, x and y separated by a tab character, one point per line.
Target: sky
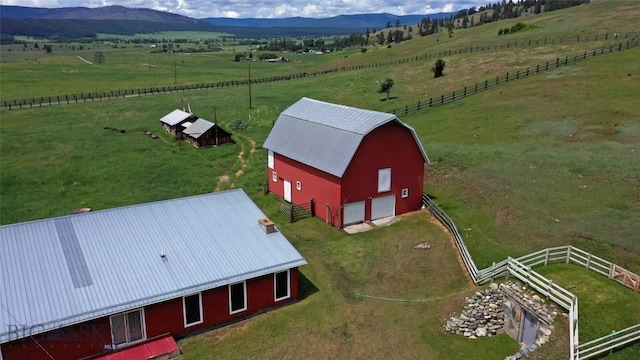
268	8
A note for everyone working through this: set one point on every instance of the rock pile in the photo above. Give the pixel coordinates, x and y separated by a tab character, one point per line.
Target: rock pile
481	316
497	310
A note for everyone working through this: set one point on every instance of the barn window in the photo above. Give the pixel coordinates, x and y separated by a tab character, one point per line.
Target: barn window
192	306
384	180
238	297
405	192
274	176
281	285
270	160
298	185
127	328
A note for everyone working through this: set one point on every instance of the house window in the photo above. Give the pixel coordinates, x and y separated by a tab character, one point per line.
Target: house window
274	176
298	185
192	307
128	328
384	180
281	285
270	160
405	192
238	297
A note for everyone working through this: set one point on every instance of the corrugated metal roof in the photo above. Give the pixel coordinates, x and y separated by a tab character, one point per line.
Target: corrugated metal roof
324	135
198	128
210	240
175	117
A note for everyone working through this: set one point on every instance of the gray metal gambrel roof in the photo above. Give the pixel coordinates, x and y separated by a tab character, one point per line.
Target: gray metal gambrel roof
61	271
198	128
324	135
175	117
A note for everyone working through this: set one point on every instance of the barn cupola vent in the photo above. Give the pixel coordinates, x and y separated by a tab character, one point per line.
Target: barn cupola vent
163	255
267	225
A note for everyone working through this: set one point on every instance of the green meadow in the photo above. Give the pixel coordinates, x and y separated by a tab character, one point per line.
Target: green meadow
549	160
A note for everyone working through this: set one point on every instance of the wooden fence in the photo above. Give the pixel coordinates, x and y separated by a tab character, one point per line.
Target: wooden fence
296	212
632	41
511	76
521	268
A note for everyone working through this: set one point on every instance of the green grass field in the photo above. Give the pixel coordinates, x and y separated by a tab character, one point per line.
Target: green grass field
543	161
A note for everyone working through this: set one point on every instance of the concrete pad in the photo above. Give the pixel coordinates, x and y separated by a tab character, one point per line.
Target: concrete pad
386	221
356	228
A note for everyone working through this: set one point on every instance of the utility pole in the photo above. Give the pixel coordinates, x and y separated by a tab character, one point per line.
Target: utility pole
249	85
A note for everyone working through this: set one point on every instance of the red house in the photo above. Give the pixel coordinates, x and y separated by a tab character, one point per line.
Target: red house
353	165
124	283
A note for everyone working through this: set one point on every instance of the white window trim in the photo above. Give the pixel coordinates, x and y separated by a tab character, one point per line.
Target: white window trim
244	285
384	183
143	325
270	160
275	288
274	176
184	310
405	192
298	185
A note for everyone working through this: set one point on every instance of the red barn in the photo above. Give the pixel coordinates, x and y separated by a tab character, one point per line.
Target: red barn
356	165
122	283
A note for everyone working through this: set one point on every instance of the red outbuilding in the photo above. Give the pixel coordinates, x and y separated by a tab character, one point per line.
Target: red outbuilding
124	283
352	165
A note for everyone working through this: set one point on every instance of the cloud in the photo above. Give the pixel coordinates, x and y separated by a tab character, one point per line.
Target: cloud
266	8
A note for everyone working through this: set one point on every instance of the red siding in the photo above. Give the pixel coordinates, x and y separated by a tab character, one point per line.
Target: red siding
318	185
90	338
390	146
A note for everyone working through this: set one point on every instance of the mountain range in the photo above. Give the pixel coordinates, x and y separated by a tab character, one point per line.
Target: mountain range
61	22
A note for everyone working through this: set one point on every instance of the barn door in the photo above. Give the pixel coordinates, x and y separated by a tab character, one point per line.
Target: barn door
287	190
382	207
354	212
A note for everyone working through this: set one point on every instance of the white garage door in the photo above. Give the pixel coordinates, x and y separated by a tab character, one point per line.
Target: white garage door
383	207
353	212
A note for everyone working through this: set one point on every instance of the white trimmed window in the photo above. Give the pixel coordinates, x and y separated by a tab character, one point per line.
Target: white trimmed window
405	192
127	328
282	285
270	159
192	309
384	180
298	185
274	176
237	297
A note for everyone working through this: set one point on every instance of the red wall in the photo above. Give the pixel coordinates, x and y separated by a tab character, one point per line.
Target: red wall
389	146
90	338
324	188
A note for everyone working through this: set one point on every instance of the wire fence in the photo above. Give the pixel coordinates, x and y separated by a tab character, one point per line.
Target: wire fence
521	268
632	41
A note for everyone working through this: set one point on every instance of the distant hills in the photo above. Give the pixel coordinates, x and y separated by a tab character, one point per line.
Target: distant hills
75	22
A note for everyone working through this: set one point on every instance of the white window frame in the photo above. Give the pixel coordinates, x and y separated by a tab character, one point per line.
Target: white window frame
244	286
384	180
270	160
128	341
298	185
275	285
184	310
274	176
405	192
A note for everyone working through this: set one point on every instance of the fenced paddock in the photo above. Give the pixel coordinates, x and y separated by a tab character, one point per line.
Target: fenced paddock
626	41
521	268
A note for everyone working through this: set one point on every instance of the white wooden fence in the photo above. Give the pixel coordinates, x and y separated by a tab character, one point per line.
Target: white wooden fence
521	269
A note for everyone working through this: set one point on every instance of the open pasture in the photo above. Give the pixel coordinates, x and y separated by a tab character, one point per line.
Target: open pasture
547	160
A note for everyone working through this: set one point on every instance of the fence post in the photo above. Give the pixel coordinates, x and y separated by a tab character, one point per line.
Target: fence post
546	257
568	254
588	260
507	77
